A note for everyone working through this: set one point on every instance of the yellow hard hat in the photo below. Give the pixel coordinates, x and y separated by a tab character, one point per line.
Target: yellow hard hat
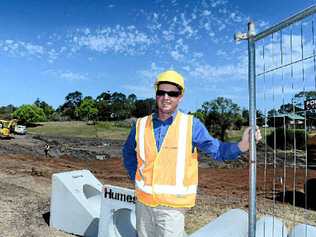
172	77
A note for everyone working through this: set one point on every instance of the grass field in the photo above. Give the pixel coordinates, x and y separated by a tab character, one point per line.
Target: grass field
106	130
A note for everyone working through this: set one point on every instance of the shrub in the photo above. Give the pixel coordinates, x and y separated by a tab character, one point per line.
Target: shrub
28	114
289	134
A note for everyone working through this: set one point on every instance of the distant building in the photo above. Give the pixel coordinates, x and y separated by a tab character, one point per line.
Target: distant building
288	119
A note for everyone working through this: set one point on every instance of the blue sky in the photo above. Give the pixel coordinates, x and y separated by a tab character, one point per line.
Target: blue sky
51	48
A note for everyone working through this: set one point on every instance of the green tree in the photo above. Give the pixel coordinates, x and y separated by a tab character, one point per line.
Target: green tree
200	114
28	114
299	100
131	100
259	117
87	109
245	116
6	111
306	95
271	114
103	102
72	101
221	114
48	110
144	107
115	106
119	106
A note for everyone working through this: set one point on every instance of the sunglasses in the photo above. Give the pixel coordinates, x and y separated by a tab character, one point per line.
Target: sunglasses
169	93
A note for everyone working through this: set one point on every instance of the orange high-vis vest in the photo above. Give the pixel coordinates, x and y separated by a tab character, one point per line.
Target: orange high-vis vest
168	177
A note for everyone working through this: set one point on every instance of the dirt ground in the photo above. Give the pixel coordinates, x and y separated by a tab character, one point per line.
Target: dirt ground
25	177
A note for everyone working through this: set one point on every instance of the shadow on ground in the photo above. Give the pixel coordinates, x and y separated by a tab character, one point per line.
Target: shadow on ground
306	199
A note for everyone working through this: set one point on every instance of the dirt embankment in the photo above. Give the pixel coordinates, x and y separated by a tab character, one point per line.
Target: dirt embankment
80	148
25	185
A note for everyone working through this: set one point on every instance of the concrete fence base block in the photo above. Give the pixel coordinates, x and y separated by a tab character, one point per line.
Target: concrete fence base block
270	226
232	223
303	230
75	203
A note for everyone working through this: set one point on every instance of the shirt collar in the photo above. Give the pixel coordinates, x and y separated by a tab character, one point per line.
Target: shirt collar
173	115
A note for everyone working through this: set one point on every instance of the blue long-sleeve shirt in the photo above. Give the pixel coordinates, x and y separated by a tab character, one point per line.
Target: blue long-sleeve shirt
201	139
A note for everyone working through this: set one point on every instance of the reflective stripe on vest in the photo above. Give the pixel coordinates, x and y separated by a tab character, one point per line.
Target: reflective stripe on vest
166	189
178	188
141	144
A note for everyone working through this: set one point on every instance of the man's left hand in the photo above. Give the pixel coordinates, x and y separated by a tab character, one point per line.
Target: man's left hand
244	144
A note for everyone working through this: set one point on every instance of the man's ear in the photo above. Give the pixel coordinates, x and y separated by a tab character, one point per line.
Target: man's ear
180	98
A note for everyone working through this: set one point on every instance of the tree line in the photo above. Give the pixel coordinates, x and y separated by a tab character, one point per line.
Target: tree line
105	107
218	115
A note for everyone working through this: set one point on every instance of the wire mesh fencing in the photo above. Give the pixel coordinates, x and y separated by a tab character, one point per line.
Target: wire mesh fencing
282	84
282	101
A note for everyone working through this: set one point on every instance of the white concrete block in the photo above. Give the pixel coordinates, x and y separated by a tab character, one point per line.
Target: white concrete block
75	203
232	223
117	212
303	230
270	226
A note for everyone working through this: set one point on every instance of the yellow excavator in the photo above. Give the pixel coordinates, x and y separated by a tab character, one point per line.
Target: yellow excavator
7	127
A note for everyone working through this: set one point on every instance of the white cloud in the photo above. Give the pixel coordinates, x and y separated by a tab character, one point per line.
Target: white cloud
262	24
221	52
176	55
197	55
34	49
125	40
144	86
21	49
185	28
270	56
151	73
219	73
279	90
221	27
141	91
177	35
206	13
215	3
71	76
66	75
15	48
180	50
277	94
168	35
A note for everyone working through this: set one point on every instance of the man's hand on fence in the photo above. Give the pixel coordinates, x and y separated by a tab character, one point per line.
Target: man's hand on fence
244	144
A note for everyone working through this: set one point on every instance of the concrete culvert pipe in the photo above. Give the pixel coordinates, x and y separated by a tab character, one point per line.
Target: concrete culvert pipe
270	226
117	217
232	223
124	223
303	230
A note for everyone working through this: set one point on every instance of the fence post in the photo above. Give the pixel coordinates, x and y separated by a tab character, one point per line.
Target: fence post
252	121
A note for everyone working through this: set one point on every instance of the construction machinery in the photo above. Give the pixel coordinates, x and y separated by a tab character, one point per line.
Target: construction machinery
7	127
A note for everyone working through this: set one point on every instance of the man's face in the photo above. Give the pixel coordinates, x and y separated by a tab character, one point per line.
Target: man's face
168	103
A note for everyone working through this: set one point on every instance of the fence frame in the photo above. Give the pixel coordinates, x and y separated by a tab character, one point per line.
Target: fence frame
252	37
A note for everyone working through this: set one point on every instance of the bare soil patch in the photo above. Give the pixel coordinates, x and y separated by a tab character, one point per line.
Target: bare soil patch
25	183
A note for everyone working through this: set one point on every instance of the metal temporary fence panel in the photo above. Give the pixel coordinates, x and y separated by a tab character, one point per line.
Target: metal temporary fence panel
282	86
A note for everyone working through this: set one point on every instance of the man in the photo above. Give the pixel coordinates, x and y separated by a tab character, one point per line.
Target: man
160	155
46	149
